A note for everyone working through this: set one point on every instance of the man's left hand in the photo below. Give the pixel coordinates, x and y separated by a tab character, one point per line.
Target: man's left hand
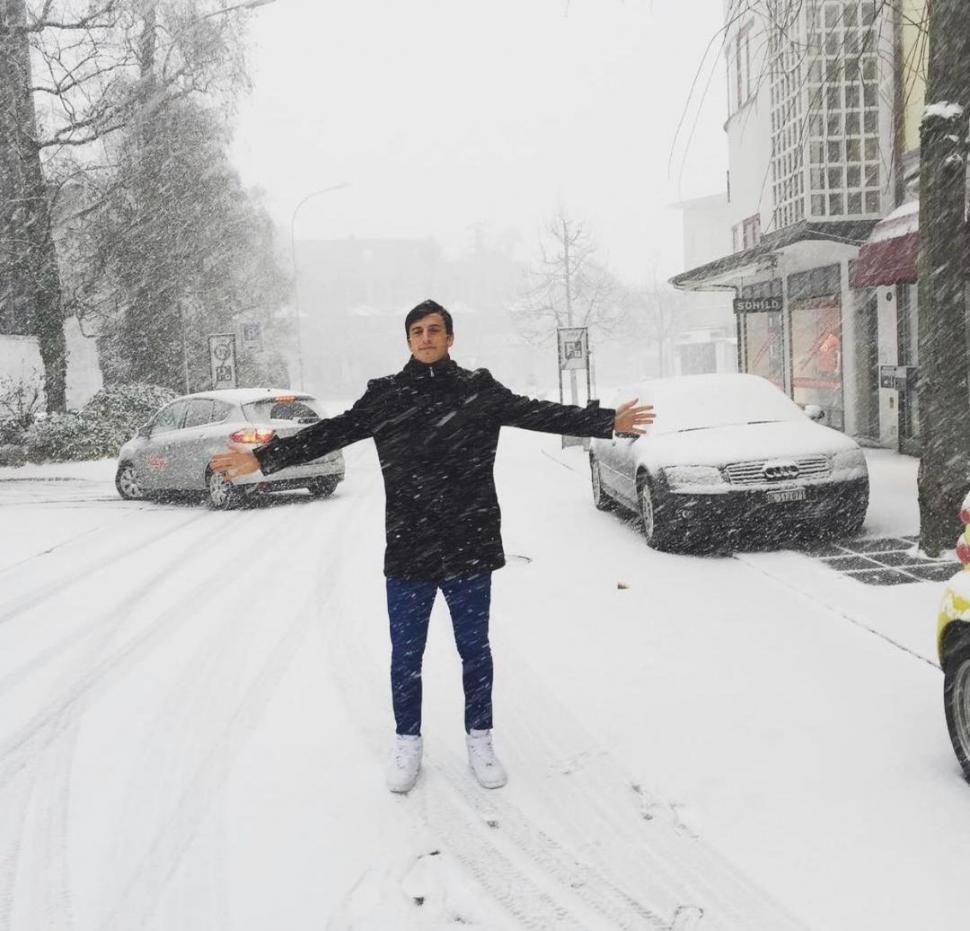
633	419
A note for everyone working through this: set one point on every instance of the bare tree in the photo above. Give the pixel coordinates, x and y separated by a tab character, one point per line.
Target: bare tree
569	287
71	75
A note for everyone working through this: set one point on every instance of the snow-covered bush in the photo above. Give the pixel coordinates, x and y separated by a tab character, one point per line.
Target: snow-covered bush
100	428
21	401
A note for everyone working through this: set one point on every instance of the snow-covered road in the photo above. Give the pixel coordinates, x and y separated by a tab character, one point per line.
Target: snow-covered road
194	715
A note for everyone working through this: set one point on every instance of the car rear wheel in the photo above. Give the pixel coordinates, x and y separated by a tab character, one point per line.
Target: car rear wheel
322	487
127	482
221	494
956	703
601	500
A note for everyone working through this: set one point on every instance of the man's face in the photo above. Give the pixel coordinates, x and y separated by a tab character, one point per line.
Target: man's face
428	339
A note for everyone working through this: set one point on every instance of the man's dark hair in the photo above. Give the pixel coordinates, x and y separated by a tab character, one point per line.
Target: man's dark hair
424	309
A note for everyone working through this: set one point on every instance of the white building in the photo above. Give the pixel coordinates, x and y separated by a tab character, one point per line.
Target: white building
811	138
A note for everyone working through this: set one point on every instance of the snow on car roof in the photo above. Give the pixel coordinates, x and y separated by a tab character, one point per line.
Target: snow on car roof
247	395
696	402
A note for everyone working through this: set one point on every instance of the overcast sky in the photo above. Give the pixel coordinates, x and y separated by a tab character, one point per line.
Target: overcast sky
440	114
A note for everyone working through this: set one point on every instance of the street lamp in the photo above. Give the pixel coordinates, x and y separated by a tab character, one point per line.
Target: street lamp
296	283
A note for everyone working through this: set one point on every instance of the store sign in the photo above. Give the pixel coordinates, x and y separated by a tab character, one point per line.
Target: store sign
222	360
757	305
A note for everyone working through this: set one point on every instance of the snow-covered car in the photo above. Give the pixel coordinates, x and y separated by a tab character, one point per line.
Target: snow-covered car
953	648
171	452
725	454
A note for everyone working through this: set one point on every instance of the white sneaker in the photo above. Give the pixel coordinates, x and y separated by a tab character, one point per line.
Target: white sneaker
489	772
405	763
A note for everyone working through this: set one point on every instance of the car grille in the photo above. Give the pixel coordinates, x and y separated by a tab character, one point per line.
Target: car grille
760	472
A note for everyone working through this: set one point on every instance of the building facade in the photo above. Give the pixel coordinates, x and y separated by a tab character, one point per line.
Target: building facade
819	96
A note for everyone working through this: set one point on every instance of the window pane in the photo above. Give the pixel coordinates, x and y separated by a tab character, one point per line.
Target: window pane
853	176
872	148
854	202
199	412
872	202
169	418
853	150
872	175
852	124
818	205
835	204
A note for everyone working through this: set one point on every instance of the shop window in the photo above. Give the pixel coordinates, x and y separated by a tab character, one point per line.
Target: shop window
762	336
816	335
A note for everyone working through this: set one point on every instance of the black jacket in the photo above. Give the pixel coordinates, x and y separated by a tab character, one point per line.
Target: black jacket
436	428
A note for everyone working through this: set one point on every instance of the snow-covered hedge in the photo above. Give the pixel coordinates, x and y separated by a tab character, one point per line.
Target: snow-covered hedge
99	429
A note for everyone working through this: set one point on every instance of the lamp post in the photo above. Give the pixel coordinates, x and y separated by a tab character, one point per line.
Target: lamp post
296	283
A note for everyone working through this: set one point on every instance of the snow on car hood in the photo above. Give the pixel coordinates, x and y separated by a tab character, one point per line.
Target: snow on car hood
720	446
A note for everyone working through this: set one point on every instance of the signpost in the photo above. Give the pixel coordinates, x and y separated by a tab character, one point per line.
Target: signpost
573	343
222	360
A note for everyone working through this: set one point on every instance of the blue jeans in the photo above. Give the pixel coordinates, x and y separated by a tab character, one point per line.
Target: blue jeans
409	609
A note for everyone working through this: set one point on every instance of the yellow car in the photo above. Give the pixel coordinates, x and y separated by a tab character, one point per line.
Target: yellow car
953	646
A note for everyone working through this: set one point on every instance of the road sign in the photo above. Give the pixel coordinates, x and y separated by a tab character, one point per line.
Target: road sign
252	335
573	348
222	360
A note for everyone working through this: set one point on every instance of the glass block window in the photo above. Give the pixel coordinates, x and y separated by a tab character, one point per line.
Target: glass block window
844	49
788	150
825	112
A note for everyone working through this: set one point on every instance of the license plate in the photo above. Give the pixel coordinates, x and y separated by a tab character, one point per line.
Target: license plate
779	495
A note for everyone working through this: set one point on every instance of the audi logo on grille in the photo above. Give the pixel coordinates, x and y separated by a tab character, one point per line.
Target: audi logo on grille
780	472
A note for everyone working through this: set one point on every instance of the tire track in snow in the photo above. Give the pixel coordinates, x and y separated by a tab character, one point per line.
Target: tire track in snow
649	847
569	892
222	728
116	614
42	751
100	563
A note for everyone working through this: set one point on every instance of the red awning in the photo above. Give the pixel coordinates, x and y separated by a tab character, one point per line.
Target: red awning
889	256
891	253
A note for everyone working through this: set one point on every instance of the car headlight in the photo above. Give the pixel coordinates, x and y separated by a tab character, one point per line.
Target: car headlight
849	460
692	476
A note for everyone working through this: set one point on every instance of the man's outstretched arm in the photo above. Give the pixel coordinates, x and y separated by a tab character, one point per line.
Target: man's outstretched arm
308	444
515	410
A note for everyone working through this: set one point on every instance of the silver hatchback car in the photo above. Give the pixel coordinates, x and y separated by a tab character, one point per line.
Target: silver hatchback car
171	452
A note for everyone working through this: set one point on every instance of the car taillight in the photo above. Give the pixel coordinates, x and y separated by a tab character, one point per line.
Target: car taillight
252	435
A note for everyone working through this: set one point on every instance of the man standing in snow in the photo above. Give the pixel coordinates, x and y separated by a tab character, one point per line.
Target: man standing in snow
436	427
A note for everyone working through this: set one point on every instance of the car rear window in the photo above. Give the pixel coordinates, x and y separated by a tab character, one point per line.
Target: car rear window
302	409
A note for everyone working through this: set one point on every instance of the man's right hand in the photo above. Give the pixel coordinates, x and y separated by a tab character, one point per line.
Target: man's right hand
239	460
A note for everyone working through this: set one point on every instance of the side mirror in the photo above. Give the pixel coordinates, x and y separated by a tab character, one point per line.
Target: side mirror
145	429
814	412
